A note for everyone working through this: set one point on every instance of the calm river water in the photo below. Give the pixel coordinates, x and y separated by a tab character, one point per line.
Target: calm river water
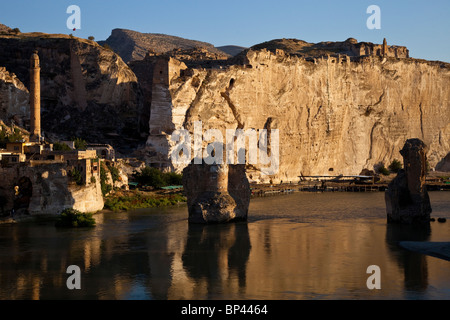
298	246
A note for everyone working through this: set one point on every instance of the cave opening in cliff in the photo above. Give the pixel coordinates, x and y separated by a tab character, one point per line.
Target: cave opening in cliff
23	193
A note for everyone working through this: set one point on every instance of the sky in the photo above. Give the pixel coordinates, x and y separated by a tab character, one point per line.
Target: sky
422	26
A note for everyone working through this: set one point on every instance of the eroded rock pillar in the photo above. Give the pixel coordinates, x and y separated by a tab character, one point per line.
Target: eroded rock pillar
407	199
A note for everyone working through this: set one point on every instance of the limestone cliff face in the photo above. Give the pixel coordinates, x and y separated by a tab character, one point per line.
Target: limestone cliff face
332	114
14	104
87	91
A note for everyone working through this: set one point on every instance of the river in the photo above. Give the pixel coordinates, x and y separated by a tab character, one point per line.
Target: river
297	246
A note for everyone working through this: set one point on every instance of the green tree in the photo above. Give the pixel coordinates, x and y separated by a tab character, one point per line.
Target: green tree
382	170
155	178
80	144
58	146
151	177
395	166
106	187
173	179
75	174
91	38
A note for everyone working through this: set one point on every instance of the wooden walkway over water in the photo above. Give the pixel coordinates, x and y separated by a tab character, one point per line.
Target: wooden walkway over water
331	184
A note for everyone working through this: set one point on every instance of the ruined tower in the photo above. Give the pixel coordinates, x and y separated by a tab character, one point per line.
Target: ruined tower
35	98
385	48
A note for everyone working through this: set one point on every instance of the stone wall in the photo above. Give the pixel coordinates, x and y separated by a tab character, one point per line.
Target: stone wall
49	190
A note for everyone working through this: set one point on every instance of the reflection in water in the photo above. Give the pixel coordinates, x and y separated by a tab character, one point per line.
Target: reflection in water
217	255
414	264
300	246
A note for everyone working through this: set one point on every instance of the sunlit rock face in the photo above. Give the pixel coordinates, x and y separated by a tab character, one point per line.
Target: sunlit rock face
333	114
407	199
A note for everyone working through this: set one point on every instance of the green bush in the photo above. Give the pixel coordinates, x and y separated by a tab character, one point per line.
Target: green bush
155	178
395	166
91	38
71	218
137	201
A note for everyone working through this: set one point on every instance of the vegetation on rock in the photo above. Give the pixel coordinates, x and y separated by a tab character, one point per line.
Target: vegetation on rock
72	218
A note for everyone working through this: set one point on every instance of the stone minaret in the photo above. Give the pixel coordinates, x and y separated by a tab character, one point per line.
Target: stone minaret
35	98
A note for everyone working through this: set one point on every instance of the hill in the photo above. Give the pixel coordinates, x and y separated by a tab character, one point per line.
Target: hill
133	45
231	50
4	28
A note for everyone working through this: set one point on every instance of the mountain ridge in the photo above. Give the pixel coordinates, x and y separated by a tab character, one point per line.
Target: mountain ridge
134	45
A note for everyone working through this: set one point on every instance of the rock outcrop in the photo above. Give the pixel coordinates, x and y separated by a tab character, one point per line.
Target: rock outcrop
350	47
444	164
340	112
87	91
4	29
407	199
14	104
216	193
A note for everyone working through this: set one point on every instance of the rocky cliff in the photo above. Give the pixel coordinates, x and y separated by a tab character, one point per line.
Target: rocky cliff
335	114
14	103
87	91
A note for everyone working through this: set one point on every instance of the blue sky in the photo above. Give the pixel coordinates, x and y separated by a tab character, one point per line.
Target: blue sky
422	26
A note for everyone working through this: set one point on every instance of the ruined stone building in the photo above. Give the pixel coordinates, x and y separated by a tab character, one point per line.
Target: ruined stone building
35	179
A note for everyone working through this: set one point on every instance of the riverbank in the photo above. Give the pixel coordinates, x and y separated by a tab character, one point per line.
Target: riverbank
138	199
436	181
122	200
